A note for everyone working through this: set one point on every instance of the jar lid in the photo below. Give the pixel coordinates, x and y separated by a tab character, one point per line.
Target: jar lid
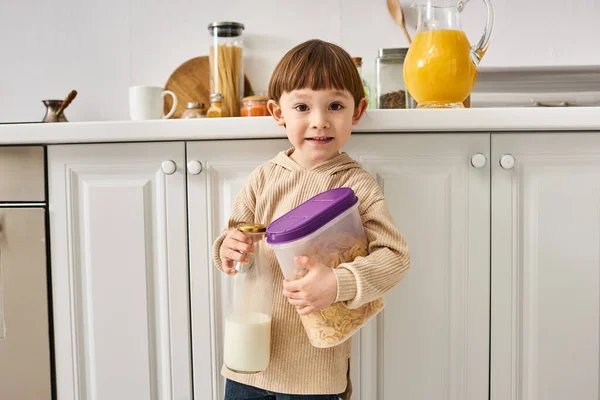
226	28
255	98
311	215
250	227
193	104
391	53
357	61
216	97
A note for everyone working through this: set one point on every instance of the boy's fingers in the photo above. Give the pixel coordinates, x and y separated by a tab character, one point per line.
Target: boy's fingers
290	295
235	255
298	303
240	246
306	310
227	263
240	237
293	286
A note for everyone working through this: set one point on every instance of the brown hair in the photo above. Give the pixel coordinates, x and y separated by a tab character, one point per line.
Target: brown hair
316	65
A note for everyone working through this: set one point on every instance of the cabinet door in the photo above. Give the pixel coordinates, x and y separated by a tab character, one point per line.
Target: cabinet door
432	339
545	266
119	271
225	166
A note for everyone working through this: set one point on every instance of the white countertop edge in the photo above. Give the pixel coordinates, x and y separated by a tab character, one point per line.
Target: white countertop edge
375	121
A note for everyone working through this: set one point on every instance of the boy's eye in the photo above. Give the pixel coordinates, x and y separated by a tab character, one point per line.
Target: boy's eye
336	107
301	107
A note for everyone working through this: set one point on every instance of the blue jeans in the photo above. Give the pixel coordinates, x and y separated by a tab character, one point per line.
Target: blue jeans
239	391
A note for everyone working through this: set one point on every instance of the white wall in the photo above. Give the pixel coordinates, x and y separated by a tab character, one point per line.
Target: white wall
101	47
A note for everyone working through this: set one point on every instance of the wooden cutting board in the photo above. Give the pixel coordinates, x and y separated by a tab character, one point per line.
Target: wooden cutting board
190	82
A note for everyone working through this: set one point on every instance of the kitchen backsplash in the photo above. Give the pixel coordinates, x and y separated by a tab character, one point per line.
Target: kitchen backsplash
101	49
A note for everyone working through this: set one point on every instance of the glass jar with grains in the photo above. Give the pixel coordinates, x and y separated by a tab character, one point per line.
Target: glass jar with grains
391	90
194	110
226	64
255	106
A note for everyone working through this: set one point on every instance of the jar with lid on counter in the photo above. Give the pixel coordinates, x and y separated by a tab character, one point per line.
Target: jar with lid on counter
226	64
216	109
194	110
358	64
391	90
255	106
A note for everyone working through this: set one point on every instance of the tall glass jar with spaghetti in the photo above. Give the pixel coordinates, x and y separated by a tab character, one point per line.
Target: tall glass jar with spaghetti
226	64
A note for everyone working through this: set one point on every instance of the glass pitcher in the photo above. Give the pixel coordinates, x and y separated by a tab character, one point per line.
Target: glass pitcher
441	66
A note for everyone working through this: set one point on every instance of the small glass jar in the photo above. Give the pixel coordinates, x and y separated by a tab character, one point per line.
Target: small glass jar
254	106
194	110
391	90
216	109
226	64
248	308
367	89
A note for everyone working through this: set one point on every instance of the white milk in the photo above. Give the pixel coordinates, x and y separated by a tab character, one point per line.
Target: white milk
247	343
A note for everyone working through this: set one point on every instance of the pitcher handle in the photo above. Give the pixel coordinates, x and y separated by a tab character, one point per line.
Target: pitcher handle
478	51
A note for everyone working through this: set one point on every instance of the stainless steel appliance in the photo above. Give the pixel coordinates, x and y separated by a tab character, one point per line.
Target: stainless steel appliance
553	86
25	337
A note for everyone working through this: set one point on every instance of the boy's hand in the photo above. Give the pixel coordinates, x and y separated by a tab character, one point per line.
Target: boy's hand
235	246
315	291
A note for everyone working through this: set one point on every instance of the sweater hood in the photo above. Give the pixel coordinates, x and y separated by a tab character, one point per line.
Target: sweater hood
340	162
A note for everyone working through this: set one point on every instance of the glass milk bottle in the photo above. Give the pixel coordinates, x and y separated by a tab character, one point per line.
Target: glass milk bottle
247	342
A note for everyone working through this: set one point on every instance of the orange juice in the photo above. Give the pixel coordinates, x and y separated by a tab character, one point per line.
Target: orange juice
438	70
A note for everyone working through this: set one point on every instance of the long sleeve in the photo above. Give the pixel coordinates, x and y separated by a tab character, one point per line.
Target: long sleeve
368	278
242	211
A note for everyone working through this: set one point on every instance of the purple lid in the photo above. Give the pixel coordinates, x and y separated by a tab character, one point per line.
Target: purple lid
311	215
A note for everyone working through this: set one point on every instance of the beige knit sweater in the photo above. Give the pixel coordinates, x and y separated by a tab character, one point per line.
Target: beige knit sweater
273	189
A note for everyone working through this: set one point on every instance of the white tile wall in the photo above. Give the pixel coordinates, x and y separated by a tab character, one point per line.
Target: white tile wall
100	47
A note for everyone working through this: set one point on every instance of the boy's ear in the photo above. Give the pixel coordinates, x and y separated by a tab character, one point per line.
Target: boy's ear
275	111
359	110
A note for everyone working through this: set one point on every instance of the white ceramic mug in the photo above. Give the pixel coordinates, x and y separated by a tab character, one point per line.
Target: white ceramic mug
147	102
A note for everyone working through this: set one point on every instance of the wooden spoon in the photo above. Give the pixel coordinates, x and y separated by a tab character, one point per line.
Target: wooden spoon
67	101
397	14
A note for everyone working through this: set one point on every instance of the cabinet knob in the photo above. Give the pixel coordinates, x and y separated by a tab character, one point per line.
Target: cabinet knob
194	167
169	167
478	160
507	161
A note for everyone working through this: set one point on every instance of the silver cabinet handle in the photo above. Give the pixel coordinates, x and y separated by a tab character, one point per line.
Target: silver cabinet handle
169	167
507	161
194	167
479	160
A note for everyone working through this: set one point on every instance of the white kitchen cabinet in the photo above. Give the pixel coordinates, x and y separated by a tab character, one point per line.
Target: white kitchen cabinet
545	266
217	171
120	271
432	339
120	223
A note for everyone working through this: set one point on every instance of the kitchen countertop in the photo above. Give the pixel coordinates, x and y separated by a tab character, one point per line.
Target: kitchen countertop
541	119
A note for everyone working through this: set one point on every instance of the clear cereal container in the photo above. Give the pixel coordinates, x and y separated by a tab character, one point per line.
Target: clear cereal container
328	229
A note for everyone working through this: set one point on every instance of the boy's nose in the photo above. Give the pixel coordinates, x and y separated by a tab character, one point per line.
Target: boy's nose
320	121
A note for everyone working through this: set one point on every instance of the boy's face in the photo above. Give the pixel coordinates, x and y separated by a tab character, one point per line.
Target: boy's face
318	122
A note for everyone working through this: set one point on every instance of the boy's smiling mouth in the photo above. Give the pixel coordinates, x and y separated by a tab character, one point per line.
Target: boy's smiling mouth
320	139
